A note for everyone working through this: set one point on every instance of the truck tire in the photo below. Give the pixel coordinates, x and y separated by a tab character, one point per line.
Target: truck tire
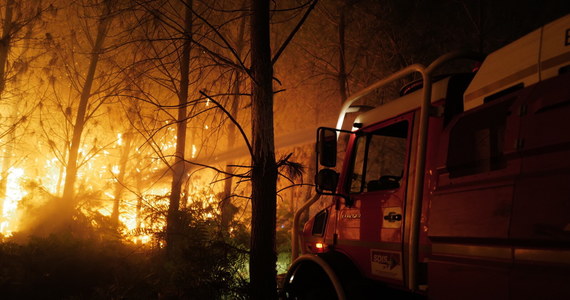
325	276
309	281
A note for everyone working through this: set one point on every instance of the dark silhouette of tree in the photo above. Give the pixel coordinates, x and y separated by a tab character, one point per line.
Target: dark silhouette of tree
173	222
5	41
81	113
227	208
264	168
128	140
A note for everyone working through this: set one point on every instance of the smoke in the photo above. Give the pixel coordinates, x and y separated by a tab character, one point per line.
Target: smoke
41	214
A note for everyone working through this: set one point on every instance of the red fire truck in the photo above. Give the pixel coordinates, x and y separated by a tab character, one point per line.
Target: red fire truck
459	189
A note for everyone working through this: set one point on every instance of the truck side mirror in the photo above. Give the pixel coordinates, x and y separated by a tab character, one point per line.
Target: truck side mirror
326	147
326	180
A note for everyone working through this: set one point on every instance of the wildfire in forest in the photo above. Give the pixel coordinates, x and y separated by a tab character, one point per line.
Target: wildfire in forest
135	227
143	199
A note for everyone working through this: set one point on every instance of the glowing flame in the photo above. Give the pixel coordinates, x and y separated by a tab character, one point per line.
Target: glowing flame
51	178
116	170
141	208
14	193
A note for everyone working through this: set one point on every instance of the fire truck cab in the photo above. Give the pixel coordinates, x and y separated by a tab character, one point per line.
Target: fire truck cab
457	190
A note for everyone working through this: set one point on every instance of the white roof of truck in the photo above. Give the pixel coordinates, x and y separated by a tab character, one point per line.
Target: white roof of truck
536	56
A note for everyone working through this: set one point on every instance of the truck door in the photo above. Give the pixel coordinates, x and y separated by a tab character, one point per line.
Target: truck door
370	229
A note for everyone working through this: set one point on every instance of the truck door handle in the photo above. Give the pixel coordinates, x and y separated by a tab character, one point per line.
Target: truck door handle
393	217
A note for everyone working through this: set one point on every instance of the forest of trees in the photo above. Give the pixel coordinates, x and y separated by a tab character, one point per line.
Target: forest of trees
137	137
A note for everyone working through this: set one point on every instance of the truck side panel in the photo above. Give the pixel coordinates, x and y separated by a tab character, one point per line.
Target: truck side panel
541	210
540	224
499	219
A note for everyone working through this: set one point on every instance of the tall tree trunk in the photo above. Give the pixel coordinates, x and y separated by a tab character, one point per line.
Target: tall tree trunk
7	158
61	173
263	256
227	209
341	55
5	41
119	184
139	192
173	221
71	168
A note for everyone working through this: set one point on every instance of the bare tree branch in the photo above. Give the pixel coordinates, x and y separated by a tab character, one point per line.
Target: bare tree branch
295	30
246	140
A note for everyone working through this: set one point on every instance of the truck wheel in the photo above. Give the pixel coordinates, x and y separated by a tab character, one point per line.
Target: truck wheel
310	283
317	277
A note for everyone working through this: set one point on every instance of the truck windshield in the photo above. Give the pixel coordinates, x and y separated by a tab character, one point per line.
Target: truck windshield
379	157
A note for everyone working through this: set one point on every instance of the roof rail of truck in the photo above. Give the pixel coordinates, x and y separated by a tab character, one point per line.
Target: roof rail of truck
429	70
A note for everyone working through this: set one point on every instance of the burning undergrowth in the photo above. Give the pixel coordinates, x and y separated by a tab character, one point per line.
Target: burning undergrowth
92	257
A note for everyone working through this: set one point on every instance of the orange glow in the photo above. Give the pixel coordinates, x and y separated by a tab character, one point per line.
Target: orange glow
320	246
140	206
14	193
125	152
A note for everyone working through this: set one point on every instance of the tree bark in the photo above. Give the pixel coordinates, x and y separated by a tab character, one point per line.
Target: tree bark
173	221
263	256
342	77
5	41
68	196
227	209
119	184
